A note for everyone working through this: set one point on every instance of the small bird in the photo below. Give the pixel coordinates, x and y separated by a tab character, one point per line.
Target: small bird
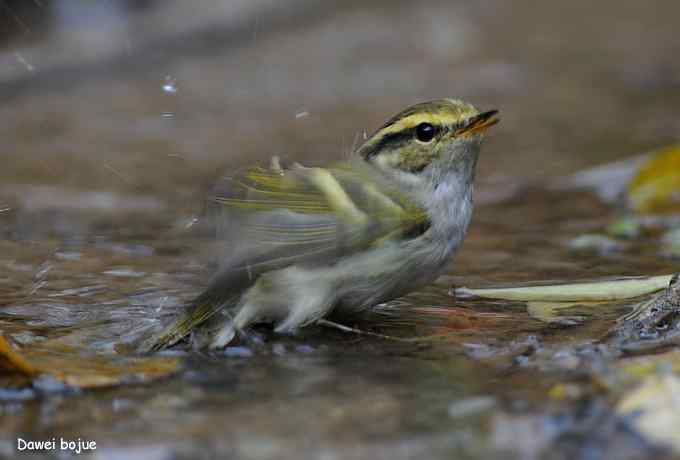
305	242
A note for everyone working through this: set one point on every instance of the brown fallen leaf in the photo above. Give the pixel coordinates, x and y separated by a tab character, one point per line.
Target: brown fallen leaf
79	368
11	362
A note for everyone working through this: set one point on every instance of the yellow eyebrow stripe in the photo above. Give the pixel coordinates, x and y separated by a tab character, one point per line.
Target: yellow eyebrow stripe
445	113
411	121
435	118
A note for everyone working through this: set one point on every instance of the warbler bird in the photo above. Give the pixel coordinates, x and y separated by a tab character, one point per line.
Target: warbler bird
305	242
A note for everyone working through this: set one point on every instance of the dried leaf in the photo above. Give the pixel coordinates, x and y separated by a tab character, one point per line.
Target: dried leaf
12	362
82	369
592	291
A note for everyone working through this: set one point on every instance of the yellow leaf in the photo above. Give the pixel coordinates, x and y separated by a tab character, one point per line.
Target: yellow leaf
656	187
551	312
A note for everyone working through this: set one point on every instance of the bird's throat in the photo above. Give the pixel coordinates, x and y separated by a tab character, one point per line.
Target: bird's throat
450	210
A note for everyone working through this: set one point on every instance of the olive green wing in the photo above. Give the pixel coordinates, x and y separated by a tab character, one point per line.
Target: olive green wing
271	218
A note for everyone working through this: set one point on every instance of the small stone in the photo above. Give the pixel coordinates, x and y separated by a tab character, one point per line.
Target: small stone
625	227
471	406
49	384
670	243
305	349
599	244
238	352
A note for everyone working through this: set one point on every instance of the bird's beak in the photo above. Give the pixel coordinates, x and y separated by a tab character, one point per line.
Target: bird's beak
478	123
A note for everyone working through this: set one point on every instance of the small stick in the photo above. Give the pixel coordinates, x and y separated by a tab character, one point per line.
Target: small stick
343	328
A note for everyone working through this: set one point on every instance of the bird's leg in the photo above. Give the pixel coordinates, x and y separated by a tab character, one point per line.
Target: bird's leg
293	296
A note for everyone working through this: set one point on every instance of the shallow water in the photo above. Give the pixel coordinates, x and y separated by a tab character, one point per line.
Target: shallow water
326	392
105	169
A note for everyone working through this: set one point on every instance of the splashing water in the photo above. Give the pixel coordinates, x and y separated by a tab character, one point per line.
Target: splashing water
169	85
22	60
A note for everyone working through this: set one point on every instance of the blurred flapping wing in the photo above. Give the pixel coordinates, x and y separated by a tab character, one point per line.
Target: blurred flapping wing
272	218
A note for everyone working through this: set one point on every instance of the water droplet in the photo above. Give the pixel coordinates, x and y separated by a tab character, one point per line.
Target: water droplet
19	57
161	304
192	221
169	85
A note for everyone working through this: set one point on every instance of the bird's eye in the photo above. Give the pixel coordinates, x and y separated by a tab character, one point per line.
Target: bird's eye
425	132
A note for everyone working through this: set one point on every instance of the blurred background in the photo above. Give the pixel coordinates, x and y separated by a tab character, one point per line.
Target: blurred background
157	98
116	116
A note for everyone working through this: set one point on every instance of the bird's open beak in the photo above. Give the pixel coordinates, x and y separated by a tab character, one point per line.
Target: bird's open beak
479	123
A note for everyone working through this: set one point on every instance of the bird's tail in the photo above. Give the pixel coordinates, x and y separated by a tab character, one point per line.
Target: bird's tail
200	310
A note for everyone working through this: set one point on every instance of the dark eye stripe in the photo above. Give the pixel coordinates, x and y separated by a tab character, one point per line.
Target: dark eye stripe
394	140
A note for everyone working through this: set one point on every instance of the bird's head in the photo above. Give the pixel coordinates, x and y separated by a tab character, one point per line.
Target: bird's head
428	141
